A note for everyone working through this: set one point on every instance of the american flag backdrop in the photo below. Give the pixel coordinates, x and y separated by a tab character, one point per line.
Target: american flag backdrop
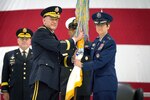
130	29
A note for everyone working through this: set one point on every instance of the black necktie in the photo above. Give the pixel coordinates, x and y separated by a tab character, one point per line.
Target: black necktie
24	54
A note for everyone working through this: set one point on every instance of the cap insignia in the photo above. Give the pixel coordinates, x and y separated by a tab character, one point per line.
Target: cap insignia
98	15
56	9
74	21
24	30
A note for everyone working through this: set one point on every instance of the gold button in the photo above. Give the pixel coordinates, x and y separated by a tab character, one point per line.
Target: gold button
24	73
70	70
24	68
25	64
24	78
86	58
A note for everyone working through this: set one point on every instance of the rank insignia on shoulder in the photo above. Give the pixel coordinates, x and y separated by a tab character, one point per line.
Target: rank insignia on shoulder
62	41
109	38
42	27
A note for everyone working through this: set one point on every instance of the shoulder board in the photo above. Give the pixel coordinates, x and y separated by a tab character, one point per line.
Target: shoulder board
42	27
109	38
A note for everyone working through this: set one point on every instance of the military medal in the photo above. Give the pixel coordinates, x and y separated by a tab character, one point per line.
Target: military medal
101	46
12	60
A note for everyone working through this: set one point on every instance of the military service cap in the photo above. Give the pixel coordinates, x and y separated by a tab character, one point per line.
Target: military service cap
24	32
71	23
53	11
101	17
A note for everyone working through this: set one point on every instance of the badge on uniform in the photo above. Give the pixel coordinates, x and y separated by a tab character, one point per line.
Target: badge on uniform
12	60
93	45
101	46
97	55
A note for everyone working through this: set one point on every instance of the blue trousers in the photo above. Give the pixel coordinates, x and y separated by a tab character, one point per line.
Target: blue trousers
105	95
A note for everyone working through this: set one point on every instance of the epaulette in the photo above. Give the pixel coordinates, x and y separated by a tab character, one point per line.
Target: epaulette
42	27
109	38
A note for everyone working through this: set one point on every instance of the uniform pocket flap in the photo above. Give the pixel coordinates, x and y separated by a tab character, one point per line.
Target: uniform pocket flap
46	63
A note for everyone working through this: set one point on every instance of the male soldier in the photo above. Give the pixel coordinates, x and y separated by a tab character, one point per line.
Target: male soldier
83	92
16	68
47	49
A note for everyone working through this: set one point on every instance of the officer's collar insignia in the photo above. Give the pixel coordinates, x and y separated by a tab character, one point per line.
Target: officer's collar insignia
24	30
56	9
98	15
97	55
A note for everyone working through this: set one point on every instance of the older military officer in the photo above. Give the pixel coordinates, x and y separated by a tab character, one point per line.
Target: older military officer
16	68
103	52
47	57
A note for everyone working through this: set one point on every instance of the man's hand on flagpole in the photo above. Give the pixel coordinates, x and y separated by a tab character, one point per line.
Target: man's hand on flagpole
79	37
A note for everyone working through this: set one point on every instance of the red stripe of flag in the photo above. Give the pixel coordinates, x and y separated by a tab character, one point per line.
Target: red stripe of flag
130	26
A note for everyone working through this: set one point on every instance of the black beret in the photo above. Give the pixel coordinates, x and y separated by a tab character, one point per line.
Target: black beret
53	11
24	32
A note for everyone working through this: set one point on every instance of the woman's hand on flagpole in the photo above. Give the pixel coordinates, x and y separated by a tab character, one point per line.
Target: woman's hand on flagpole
78	63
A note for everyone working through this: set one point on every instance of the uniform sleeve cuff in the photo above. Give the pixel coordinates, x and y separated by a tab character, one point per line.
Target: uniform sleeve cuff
74	40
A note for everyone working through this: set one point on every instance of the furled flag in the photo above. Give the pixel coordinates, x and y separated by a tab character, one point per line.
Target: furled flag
82	16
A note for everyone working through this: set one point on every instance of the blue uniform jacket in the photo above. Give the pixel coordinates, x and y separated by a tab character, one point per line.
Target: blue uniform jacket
103	64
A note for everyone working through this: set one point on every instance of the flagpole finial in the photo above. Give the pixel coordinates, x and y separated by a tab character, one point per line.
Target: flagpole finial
101	10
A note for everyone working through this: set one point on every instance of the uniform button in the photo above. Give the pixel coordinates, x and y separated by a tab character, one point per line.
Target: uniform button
25	64
86	58
12	70
70	70
24	68
46	64
24	78
24	73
